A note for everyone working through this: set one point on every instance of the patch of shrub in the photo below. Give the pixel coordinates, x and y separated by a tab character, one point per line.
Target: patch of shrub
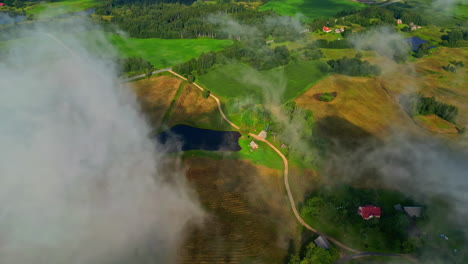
327	97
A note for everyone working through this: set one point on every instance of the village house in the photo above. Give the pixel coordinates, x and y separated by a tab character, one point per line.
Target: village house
253	145
322	242
339	30
263	134
399	22
369	211
414	26
413	211
326	29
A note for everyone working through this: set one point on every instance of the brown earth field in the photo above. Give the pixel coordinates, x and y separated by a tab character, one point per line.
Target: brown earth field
155	96
361	109
435	124
194	110
248	216
427	76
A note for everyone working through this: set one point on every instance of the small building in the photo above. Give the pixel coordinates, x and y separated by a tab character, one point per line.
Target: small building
322	242
326	29
413	211
369	211
270	41
253	145
337	31
263	134
2	4
398	207
399	22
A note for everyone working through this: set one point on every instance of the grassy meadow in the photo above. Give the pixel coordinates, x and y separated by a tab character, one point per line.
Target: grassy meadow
160	52
283	83
52	9
166	52
310	8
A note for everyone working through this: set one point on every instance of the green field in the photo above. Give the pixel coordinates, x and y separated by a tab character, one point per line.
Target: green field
166	52
284	83
59	8
160	52
310	8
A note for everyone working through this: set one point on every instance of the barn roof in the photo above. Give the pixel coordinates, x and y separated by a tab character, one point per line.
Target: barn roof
369	211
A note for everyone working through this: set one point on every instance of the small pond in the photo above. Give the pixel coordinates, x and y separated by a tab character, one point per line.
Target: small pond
415	42
183	137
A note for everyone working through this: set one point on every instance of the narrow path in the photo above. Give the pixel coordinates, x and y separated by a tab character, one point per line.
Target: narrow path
358	254
285	171
143	75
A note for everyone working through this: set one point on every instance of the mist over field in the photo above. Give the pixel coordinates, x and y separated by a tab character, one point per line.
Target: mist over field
80	181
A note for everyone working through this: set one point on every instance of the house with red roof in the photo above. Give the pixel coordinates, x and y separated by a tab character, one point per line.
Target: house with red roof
2	4
326	29
369	211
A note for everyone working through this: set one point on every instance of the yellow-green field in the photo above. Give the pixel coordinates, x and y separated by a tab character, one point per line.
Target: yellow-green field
310	9
435	124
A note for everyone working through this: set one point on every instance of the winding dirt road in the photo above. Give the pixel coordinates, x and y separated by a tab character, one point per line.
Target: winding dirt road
357	253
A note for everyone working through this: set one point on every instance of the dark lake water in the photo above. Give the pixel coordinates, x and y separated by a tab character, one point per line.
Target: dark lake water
415	42
183	137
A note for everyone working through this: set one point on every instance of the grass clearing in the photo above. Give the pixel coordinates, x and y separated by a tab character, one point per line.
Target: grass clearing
53	9
435	124
264	155
161	53
283	83
166	52
310	8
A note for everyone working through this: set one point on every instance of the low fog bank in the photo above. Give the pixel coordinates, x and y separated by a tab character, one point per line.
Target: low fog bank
422	167
80	181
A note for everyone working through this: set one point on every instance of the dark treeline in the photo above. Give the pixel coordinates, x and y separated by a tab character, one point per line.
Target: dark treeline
371	16
417	104
259	57
454	37
335	44
134	65
178	21
354	67
429	105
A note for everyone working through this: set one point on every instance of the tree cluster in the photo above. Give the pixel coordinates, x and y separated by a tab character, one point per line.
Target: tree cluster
454	37
260	57
316	255
354	67
181	19
334	44
422	50
340	204
135	65
429	105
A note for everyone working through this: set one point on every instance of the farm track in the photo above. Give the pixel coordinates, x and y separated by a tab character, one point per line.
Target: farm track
357	253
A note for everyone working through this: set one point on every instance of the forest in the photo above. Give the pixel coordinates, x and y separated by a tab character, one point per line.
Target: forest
429	105
208	20
354	67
